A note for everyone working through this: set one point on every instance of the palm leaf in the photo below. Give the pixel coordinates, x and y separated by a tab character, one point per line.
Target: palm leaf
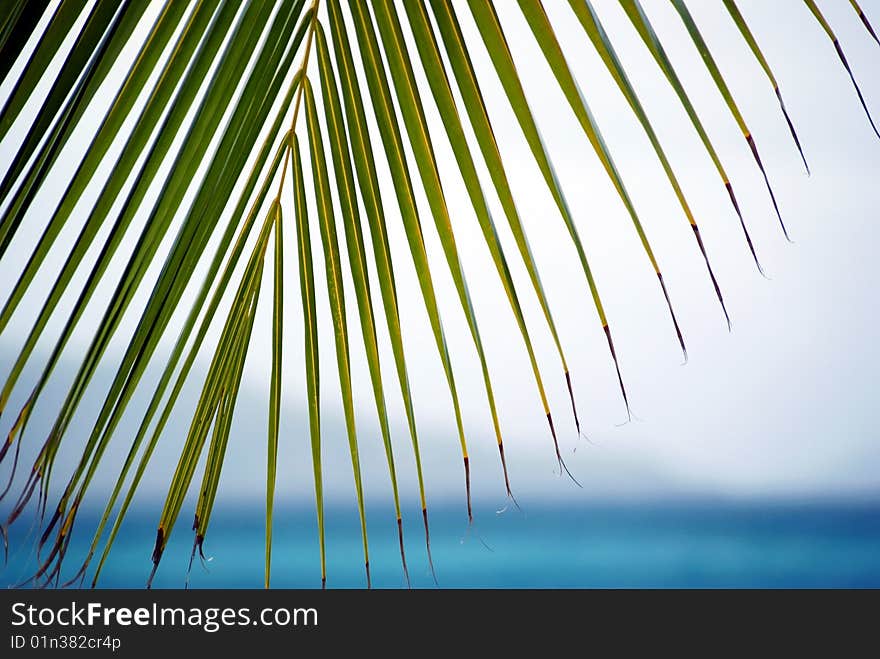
193	234
211	94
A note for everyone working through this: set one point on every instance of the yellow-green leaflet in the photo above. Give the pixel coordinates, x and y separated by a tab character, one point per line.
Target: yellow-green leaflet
410	106
274	383
310	334
392	142
336	295
223	376
207	317
468	85
439	83
362	154
357	259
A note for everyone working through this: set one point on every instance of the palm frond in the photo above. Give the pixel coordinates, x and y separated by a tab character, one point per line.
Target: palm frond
206	111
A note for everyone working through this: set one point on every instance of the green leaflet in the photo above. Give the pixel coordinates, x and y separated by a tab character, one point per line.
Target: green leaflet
392	142
438	81
414	120
97	20
194	234
275	382
336	295
17	24
593	27
357	259
230	382
187	162
362	155
59	26
195	311
469	88
194	231
310	334
42	465
101	42
223	373
197	305
102	207
122	104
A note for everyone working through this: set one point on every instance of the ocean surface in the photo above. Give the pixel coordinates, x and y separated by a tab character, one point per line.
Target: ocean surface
618	545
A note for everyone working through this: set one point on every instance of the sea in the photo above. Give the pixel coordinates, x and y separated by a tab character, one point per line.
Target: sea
615	544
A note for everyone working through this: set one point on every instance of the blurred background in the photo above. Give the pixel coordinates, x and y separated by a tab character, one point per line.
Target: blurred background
755	464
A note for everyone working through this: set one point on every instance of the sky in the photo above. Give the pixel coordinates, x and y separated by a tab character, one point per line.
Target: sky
782	405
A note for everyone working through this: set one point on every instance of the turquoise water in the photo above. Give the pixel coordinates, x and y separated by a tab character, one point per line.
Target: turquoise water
705	544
